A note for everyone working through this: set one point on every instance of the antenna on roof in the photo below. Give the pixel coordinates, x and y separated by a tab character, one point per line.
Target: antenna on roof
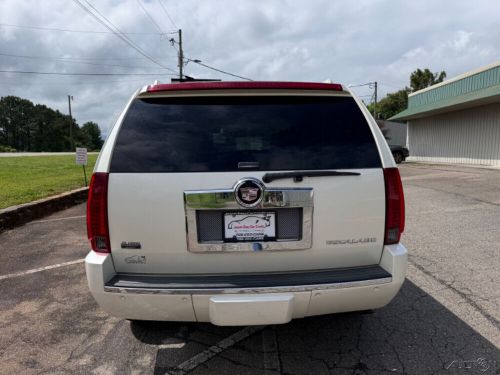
191	79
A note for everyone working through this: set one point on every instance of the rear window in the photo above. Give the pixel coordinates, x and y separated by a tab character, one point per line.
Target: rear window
210	134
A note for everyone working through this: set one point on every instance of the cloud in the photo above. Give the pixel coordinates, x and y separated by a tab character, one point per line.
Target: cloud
349	42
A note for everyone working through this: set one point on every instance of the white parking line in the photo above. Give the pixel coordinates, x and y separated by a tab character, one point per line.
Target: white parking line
40	269
211	352
58	219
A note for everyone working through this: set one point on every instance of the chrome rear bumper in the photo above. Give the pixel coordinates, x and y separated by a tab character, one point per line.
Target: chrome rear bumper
247	299
249	283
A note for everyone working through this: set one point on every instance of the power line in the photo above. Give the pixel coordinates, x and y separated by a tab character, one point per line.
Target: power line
111	28
150	16
106	58
68	60
84	74
371	84
197	61
75	31
99	82
361	84
109	25
116	58
374	86
217	70
392	86
168	15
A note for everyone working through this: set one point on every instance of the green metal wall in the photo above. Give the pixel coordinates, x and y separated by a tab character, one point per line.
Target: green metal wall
478	81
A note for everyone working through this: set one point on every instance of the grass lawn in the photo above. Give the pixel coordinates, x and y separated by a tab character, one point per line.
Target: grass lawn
27	178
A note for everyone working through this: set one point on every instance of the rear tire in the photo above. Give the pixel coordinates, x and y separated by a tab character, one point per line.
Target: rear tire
398	157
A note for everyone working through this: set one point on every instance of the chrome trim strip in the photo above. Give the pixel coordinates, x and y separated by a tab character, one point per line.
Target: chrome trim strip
224	199
274	289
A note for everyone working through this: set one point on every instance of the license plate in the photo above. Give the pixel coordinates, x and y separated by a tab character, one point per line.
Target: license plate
253	226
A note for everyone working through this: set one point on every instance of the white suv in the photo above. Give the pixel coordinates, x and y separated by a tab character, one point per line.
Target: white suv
243	203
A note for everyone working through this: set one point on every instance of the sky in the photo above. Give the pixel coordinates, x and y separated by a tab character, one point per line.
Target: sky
315	40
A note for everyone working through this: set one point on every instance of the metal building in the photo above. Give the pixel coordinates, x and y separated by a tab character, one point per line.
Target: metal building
456	121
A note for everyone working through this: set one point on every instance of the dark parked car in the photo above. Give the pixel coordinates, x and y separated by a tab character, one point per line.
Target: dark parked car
399	153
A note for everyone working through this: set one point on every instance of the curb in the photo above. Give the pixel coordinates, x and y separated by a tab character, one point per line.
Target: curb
457	165
14	216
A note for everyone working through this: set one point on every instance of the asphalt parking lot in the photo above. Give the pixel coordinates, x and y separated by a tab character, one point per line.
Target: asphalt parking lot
444	321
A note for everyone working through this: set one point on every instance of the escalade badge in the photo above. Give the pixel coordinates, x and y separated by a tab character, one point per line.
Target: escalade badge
135	259
249	192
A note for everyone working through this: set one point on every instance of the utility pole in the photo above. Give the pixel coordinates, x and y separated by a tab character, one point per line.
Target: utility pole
70	98
371	85
181	55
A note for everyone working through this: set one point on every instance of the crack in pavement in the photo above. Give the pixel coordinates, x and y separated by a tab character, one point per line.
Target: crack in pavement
465	296
455	194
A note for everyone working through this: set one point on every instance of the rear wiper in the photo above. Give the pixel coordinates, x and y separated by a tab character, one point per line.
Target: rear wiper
299	175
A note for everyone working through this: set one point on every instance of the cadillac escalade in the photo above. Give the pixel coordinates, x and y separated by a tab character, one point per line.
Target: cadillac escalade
243	203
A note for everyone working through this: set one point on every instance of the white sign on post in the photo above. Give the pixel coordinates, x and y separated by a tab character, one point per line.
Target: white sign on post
81	156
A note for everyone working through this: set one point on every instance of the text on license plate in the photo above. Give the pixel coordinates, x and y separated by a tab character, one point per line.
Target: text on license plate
249	226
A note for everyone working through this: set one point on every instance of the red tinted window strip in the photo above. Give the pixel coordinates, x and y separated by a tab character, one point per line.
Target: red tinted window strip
245	85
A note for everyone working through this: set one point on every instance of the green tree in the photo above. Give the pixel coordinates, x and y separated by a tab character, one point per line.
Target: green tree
51	130
28	127
395	102
16	126
420	79
91	136
391	104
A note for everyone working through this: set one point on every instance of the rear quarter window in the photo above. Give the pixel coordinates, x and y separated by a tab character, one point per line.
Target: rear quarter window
217	134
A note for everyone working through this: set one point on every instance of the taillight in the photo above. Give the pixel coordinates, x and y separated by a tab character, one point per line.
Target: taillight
394	206
97	213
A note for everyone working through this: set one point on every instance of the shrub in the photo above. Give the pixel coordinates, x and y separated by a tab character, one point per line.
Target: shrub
7	149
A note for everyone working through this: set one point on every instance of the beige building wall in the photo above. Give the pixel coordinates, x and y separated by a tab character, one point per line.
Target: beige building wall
469	136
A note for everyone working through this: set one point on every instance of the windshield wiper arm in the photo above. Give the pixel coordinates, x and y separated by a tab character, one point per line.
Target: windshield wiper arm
298	175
